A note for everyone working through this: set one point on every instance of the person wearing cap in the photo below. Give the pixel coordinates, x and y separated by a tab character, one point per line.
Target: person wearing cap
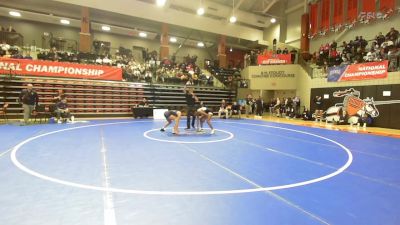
29	100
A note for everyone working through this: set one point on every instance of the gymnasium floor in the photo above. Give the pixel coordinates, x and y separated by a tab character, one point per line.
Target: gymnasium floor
124	172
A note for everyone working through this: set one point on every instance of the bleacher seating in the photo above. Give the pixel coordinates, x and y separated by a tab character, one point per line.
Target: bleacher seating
87	98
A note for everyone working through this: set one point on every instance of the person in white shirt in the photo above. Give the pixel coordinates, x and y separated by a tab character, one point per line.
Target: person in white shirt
222	109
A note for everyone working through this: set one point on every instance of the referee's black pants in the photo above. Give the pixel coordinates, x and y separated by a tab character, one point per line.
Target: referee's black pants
190	114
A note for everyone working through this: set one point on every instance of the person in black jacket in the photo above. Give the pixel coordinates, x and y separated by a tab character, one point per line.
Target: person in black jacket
191	100
318	107
29	100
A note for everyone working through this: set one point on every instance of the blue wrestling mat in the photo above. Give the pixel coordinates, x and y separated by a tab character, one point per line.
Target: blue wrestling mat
248	173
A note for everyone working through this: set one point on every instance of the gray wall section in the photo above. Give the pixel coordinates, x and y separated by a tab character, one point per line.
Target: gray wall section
33	31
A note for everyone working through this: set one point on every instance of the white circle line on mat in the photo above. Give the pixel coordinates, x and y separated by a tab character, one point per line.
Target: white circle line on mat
146	135
22	167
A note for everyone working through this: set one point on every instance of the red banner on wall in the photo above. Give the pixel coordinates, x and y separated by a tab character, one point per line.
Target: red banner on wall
325	15
368	6
352	11
58	69
313	19
274	59
363	71
387	6
338	13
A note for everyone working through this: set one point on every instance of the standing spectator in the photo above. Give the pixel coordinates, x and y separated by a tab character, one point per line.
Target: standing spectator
285	51
296	105
277	107
29	99
293	54
260	106
249	105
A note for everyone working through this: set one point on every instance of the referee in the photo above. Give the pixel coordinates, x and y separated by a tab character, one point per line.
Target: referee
190	106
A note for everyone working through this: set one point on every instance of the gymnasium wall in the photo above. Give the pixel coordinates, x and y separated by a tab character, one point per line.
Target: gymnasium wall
283	80
262	82
293	31
388	113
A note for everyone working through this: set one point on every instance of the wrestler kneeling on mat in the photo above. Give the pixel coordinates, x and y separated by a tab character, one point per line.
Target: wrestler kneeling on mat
171	115
204	114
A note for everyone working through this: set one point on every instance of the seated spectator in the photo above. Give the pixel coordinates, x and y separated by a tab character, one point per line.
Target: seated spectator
144	103
27	55
380	39
365	120
343	117
62	111
59	96
393	35
234	110
307	115
223	109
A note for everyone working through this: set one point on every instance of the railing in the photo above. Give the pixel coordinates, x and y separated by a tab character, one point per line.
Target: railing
12	38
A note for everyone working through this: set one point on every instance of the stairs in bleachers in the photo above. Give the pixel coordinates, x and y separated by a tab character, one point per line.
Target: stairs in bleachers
92	98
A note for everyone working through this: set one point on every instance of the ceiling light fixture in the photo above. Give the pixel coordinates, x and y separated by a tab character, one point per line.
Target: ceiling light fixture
273	20
64	21
233	18
201	10
161	3
106	28
142	34
200	44
14	13
173	39
231	50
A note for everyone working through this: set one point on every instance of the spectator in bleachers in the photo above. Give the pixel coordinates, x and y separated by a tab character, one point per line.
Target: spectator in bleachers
380	39
393	35
59	95
27	55
144	102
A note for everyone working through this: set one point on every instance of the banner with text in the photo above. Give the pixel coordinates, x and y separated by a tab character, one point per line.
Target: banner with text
363	71
274	59
58	69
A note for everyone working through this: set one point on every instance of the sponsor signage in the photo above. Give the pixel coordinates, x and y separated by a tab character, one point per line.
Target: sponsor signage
59	69
274	59
273	74
363	71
